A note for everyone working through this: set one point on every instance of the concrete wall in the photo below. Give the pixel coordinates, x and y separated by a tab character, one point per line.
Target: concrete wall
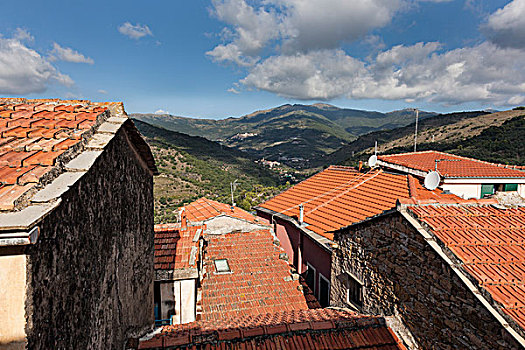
224	224
404	277
12	298
90	275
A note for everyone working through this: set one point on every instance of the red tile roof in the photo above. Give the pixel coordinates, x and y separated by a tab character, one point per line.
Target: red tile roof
34	134
204	209
260	282
340	196
456	167
490	243
299	329
173	246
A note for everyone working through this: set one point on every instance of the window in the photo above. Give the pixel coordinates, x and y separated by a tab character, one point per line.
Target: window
324	291
354	291
310	277
510	187
486	190
222	266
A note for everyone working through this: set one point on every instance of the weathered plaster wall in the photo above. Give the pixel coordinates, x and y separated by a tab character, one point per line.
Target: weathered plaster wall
12	298
404	276
90	274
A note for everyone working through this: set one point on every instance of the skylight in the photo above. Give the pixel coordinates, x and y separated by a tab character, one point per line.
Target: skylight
222	266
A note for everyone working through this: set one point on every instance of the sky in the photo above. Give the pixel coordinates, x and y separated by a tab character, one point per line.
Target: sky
222	58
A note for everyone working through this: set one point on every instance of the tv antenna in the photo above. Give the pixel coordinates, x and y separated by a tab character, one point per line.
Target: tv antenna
415	133
372	161
233	187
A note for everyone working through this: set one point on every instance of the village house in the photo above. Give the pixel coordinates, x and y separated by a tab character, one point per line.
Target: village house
76	226
464	177
447	269
185	285
247	294
305	216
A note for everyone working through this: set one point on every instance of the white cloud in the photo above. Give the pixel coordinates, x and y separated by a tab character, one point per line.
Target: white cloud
102	91
506	26
136	31
297	25
23	70
69	55
482	73
23	35
161	111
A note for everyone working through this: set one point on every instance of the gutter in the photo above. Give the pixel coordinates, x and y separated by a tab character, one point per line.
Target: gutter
431	240
321	241
19	238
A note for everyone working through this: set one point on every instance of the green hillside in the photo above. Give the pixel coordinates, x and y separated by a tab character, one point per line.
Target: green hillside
191	167
290	133
495	137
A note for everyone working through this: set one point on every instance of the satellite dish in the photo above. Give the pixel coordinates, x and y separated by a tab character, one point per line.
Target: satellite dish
372	161
432	180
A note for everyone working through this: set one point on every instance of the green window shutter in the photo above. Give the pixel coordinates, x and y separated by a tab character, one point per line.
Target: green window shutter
511	187
486	189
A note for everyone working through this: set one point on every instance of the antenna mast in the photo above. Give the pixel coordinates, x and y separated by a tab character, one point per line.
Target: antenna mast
415	133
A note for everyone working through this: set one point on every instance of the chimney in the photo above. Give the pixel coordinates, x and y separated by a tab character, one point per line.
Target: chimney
360	165
301	214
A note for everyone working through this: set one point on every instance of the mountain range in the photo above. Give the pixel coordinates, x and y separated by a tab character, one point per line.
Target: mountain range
293	134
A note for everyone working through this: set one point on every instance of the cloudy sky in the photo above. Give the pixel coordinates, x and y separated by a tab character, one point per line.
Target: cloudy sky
218	58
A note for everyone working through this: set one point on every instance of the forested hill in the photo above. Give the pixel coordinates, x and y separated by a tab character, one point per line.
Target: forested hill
191	167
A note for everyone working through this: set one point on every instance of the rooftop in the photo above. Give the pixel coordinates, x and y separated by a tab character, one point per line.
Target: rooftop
46	146
340	196
204	209
173	246
450	166
260	281
489	244
299	329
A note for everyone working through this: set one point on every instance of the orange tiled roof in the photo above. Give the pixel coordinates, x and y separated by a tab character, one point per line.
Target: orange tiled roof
173	246
458	167
204	209
259	282
340	196
490	243
34	135
298	329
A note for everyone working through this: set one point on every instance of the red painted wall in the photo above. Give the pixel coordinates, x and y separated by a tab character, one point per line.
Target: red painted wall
311	252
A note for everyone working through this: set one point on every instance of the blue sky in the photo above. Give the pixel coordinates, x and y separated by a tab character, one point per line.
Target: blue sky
219	58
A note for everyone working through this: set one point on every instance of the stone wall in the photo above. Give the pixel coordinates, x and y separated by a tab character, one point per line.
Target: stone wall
90	275
405	278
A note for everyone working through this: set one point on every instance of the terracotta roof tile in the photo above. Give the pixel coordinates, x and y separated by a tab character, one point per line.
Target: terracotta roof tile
297	329
259	282
37	132
173	246
340	196
490	243
455	167
204	209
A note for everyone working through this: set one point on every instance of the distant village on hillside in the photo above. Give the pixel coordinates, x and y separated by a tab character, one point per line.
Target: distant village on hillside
397	249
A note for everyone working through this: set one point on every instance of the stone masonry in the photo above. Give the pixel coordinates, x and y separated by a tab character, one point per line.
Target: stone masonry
90	276
405	278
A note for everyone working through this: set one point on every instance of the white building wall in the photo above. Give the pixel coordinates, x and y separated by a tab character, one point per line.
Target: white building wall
521	190
464	190
178	300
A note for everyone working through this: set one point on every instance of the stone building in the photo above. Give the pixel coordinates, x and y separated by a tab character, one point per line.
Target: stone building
305	216
76	226
448	270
